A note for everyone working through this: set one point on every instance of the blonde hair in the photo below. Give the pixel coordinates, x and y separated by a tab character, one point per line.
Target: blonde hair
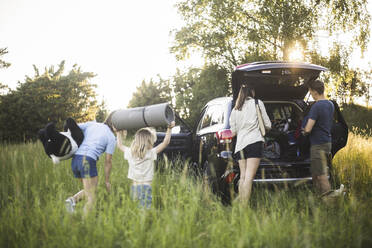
144	140
244	92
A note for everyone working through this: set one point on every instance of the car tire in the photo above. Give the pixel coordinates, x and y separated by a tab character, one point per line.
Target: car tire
218	186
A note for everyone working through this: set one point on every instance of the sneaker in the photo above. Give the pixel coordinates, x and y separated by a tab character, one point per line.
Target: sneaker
332	196
70	204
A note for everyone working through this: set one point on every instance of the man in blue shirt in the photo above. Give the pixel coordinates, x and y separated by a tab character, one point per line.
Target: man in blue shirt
319	124
98	138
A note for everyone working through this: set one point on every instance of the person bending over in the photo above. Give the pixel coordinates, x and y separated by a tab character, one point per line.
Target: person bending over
98	138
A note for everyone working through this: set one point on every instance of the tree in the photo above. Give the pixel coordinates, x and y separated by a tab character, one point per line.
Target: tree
102	112
3	64
347	83
3	89
195	87
151	92
230	32
44	98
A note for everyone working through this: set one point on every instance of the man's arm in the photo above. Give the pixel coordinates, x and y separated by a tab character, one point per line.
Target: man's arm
108	165
309	126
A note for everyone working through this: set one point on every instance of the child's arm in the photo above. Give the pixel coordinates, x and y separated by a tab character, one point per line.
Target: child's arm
159	148
119	140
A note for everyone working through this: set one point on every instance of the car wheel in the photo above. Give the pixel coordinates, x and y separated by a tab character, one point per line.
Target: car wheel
217	184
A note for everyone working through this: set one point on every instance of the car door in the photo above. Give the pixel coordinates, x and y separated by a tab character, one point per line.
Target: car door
205	140
181	141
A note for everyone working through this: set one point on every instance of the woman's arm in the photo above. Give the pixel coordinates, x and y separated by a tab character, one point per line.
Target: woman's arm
119	139
159	148
233	123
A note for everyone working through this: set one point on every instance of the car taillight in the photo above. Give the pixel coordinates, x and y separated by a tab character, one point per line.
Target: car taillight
224	136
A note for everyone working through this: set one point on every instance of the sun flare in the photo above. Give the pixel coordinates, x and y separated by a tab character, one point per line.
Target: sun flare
296	53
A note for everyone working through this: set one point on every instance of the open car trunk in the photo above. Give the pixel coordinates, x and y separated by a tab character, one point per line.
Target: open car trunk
284	141
283	87
275	80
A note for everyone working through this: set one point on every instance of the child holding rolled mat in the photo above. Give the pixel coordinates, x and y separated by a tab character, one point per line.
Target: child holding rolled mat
141	156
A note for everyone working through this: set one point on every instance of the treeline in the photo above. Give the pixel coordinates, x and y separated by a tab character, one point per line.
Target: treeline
47	97
226	33
232	32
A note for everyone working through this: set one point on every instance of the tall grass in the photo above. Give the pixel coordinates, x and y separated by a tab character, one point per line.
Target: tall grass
184	213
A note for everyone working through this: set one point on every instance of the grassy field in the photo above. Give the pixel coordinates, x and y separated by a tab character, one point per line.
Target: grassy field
184	212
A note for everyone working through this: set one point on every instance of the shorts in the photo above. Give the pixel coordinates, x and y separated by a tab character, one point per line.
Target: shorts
320	157
250	151
83	166
143	194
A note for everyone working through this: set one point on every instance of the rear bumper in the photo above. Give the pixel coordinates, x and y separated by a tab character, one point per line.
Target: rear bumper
275	172
283	180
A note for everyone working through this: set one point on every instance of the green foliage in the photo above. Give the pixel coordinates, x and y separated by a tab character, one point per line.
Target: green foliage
44	98
3	64
195	87
184	213
345	83
232	32
102	112
151	92
229	32
3	89
358	118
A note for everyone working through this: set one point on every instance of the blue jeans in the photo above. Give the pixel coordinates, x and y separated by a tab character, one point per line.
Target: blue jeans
143	194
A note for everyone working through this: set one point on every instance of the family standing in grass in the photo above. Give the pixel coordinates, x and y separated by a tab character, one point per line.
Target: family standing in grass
100	138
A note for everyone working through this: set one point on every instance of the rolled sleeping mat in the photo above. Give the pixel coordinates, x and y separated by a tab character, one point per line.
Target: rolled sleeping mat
148	116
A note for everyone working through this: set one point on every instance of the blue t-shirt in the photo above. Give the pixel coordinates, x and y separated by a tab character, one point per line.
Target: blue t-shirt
322	113
98	139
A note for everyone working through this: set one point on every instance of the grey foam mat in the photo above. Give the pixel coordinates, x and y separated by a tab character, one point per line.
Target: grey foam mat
148	116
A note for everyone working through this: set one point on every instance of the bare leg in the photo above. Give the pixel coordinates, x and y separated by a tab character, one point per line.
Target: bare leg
322	184
251	168
242	167
90	185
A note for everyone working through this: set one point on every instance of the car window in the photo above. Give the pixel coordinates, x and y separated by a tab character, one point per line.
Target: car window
212	116
217	114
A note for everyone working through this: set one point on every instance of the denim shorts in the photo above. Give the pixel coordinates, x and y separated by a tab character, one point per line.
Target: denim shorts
83	166
143	194
250	151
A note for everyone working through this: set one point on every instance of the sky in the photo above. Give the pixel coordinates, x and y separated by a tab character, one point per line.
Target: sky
122	42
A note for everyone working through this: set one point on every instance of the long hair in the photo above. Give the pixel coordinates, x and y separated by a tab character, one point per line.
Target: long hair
244	92
144	140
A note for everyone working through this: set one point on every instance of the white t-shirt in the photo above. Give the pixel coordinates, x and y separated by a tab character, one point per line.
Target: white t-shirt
245	123
140	170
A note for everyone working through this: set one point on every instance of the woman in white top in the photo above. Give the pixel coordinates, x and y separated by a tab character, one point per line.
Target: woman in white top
249	143
141	156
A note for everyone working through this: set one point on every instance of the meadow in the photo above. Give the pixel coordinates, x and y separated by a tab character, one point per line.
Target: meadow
184	213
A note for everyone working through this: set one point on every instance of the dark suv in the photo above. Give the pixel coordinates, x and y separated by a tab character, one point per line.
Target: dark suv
282	88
